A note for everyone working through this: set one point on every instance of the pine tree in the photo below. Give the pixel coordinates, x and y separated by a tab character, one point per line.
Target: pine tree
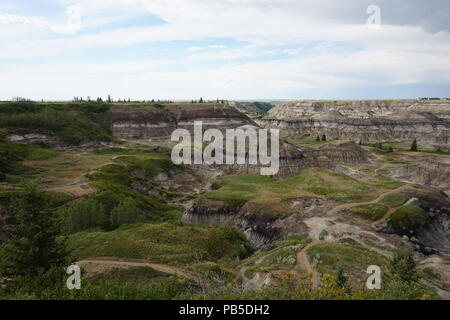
324	138
414	146
341	280
404	267
33	246
318	139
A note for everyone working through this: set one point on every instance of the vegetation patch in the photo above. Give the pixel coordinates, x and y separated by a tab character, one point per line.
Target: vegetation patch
354	260
372	212
161	243
73	123
394	200
273	193
118	187
407	217
12	154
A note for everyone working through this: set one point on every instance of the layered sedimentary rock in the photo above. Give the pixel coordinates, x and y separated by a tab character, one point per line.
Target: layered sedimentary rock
366	121
260	229
335	153
159	122
425	170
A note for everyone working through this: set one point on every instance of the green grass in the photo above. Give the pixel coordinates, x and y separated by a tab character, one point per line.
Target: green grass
354	259
371	212
406	217
272	195
293	239
161	243
12	153
394	200
105	288
73	123
117	182
130	274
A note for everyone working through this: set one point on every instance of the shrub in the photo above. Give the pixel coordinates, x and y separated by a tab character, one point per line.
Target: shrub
84	215
125	213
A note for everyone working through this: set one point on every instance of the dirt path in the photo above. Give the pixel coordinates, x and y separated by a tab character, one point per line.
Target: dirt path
79	187
98	265
357	204
304	263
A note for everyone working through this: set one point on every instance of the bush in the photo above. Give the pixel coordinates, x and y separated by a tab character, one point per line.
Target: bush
84	215
125	213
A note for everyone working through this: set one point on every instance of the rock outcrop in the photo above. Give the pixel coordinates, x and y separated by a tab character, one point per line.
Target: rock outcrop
366	121
432	234
152	122
425	170
330	155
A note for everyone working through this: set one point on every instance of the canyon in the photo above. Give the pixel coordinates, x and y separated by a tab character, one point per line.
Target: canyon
335	156
365	121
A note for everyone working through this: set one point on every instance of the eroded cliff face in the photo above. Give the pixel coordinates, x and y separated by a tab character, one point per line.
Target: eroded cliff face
432	237
261	228
337	152
425	170
151	122
366	121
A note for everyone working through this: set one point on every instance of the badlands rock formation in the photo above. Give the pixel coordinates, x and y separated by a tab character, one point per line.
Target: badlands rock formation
366	121
159	122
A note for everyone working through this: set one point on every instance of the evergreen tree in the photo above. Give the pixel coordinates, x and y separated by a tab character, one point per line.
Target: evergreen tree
324	138
341	280
318	139
414	146
403	266
201	100
33	247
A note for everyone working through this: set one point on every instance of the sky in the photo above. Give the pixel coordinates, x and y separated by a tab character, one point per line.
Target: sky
226	49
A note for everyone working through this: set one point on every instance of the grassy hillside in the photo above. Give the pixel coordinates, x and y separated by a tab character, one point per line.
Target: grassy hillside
71	122
161	243
273	195
354	259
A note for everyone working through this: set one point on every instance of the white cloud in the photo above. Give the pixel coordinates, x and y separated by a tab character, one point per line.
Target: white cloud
396	54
